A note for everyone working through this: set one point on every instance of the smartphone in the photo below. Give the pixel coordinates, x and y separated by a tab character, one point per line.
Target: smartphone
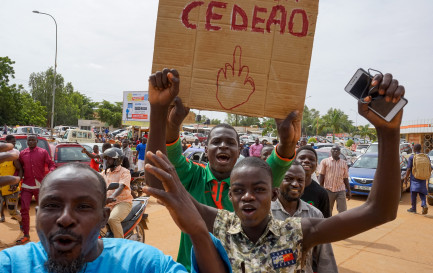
359	87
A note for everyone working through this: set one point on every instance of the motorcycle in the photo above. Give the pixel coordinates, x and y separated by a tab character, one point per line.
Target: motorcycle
135	223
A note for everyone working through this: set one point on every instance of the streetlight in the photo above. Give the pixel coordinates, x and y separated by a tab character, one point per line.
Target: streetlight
54	80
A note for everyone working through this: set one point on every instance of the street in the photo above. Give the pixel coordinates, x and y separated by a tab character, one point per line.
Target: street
399	246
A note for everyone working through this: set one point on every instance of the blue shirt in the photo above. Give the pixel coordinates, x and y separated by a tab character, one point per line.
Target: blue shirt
141	149
119	255
416	185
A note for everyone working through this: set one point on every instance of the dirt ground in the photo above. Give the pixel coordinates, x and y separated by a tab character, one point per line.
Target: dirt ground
399	246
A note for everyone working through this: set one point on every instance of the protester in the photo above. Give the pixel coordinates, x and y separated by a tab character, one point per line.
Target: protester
128	153
105	146
139	157
288	204
208	184
94	162
70	215
333	177
33	160
119	200
254	240
266	152
9	194
245	150
256	148
419	170
196	144
314	194
8	153
303	141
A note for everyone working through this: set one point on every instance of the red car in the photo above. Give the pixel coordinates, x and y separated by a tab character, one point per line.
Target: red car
21	144
69	152
201	137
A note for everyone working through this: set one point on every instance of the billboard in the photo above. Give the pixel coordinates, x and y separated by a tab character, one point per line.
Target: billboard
136	108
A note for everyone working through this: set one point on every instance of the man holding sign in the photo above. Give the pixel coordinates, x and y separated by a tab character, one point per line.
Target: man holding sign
207	184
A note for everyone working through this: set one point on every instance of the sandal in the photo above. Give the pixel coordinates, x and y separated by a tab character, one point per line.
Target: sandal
23	240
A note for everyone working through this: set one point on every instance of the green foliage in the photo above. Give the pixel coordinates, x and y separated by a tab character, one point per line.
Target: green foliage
312	140
239	120
16	105
337	121
366	131
110	113
269	127
349	143
309	121
215	121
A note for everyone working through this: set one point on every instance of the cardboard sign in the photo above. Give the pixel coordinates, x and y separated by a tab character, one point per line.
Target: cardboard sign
247	57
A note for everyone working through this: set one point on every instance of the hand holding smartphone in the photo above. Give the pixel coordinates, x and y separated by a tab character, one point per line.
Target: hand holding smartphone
360	87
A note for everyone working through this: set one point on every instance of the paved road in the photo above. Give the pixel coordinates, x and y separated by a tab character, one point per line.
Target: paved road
400	246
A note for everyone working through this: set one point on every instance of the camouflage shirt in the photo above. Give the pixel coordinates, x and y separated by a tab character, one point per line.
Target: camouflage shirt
279	249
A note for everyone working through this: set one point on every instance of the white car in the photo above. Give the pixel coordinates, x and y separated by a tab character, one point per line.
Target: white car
188	137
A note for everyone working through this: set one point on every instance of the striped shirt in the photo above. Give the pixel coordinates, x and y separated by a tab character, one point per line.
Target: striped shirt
334	172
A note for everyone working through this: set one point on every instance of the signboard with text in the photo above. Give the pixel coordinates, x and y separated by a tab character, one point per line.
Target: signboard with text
248	57
136	108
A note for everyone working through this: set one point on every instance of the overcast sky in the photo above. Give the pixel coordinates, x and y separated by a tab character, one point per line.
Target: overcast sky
106	47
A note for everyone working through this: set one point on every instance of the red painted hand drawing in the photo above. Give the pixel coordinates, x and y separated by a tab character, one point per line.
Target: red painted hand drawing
234	85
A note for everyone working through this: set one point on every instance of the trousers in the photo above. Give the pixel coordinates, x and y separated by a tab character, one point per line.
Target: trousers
26	198
117	215
340	197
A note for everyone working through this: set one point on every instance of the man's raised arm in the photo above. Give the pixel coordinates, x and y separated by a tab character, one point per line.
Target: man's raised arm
382	203
185	214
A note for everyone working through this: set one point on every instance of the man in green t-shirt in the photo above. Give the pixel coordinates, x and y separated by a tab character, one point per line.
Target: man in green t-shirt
209	184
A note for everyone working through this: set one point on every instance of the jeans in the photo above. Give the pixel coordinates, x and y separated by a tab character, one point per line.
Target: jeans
413	199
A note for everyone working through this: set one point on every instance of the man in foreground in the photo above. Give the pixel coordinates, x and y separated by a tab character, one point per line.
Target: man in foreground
256	242
71	212
288	204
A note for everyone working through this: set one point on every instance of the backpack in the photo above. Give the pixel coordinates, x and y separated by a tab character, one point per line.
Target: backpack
421	166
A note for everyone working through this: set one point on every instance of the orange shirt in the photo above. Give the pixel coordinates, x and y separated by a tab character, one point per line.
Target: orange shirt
122	176
334	171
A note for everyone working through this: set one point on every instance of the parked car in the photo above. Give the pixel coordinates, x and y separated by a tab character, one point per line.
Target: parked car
197	155
362	148
404	148
361	174
187	137
431	156
69	152
201	137
325	152
21	144
26	130
78	135
322	145
118	131
61	130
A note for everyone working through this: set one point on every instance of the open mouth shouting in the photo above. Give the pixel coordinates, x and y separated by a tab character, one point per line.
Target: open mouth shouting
64	242
223	158
248	210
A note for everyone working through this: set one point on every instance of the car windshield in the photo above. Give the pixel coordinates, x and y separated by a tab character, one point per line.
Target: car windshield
38	131
21	144
366	162
374	148
66	154
321	156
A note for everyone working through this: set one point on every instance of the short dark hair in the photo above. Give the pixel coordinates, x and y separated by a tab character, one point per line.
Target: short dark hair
254	162
32	135
106	146
9	138
417	147
82	167
306	147
227	126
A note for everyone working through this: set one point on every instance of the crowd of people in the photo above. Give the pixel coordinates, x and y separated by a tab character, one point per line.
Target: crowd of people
265	212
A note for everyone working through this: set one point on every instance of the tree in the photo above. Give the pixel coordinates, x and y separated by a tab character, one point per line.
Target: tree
309	121
239	120
336	120
269	127
215	121
16	105
110	113
366	131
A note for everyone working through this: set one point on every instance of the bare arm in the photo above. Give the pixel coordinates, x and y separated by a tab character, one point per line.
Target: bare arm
382	203
348	193
179	203
19	168
321	179
289	131
84	151
163	89
7	156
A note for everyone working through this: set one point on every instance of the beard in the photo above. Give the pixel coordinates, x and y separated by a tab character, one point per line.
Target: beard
75	266
287	197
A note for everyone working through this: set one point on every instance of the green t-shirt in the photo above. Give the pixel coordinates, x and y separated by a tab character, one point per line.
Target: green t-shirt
199	181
